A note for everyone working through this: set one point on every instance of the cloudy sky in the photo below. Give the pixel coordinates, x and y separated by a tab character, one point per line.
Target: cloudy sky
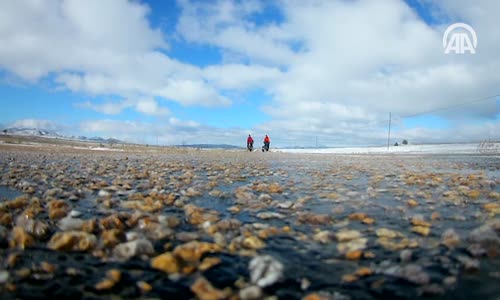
304	72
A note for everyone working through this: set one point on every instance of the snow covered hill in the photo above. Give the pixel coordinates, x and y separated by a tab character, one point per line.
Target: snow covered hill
37	132
25	131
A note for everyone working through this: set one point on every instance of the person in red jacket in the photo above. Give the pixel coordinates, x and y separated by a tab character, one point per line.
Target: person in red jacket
267	142
250	143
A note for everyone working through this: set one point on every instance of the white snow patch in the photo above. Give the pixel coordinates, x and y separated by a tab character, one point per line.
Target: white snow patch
466	148
98	148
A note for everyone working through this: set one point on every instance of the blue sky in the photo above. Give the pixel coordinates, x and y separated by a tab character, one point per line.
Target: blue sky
214	71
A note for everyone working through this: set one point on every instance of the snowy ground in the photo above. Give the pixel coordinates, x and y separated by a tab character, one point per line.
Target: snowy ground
469	148
98	148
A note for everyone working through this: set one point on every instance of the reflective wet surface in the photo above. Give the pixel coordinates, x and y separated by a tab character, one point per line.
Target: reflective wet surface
342	226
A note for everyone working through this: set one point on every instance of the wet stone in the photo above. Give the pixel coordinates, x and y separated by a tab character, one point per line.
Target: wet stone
168	223
251	293
270	215
450	238
484	235
133	248
72	241
347	235
413	273
405	255
265	270
165	262
204	290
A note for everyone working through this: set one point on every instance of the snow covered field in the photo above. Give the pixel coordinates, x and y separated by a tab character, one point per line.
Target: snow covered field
469	148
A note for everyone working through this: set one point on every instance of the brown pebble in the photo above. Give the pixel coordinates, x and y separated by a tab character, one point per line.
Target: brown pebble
364	271
165	262
368	221
435	216
349	278
105	284
12	259
20	238
23	273
422	230
353	255
357	216
114	275
412	203
144	286
315	296
47	267
204	290
209	262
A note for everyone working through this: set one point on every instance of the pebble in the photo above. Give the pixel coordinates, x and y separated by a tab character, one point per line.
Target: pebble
265	270
192	251
352	245
253	242
204	290
323	237
252	292
405	255
72	241
353	255
133	248
103	193
144	286
347	235
363	271
449	281
422	230
387	233
208	263
4	276
411	272
70	223
165	262
75	213
105	284
450	238
270	215
285	204
469	264
20	239
484	235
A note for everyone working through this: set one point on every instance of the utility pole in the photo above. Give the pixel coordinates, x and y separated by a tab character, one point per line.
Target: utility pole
389	134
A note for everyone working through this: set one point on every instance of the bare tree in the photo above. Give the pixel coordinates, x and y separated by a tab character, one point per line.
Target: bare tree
5	131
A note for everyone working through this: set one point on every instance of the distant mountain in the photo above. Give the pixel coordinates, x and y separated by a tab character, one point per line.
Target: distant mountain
25	131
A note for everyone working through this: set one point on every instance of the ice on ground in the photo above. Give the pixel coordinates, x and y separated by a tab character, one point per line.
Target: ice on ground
97	148
466	148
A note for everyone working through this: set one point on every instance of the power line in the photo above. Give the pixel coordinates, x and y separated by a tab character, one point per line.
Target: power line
450	107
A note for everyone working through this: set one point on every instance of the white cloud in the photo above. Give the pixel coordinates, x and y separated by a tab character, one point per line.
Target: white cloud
357	62
100	48
239	76
227	24
332	69
171	132
190	92
148	106
109	108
